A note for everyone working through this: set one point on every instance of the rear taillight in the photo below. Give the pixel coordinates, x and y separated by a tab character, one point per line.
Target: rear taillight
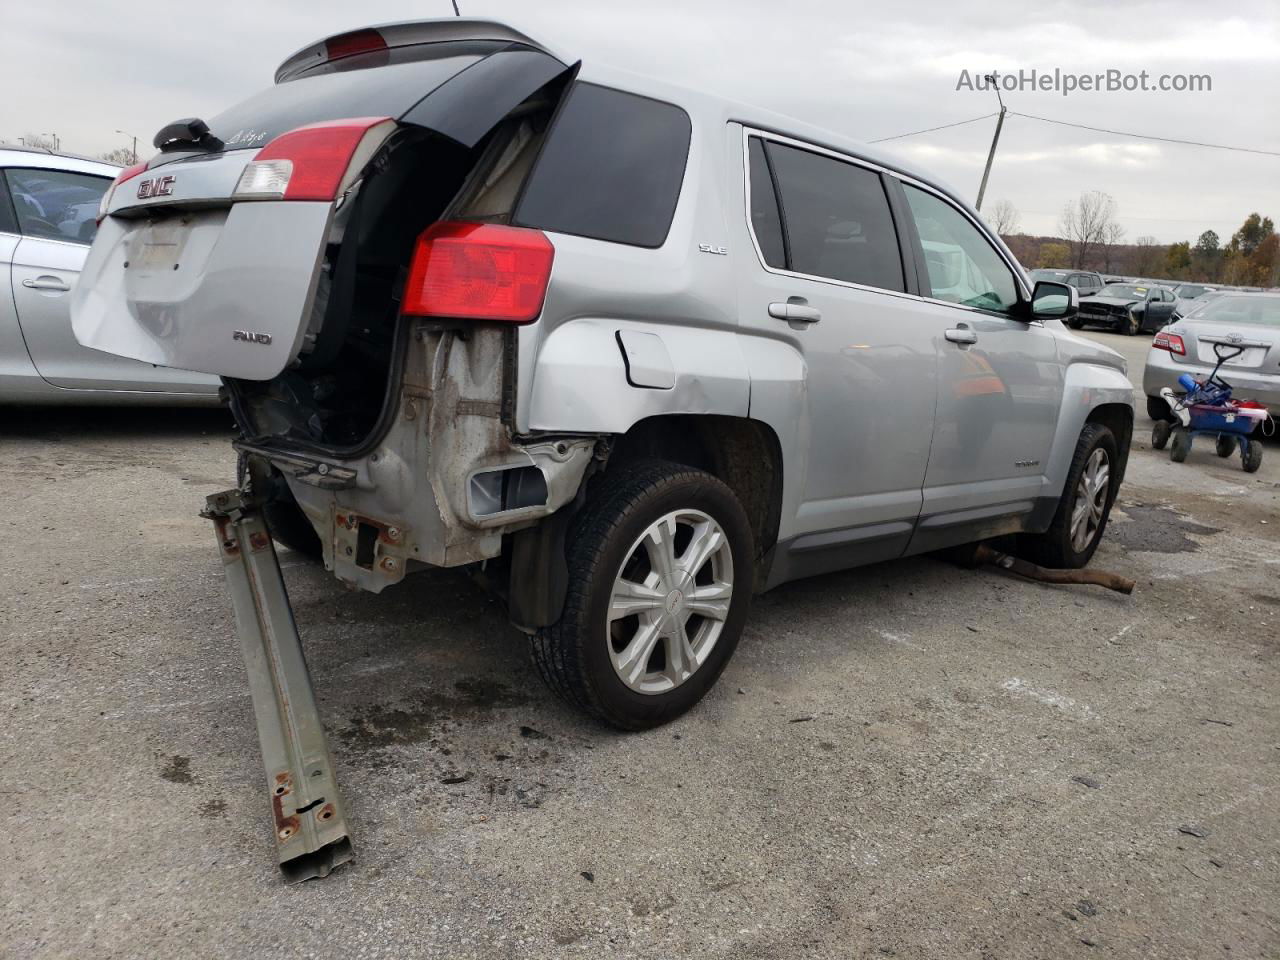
1169	341
480	271
128	173
315	162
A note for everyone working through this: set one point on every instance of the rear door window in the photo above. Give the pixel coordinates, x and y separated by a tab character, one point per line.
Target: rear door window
835	218
55	204
766	219
8	223
611	168
963	266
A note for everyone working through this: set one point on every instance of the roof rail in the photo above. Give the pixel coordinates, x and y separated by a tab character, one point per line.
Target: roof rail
401	34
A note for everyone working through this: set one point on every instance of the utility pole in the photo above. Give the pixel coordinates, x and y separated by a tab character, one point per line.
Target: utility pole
456	12
133	151
991	155
56	141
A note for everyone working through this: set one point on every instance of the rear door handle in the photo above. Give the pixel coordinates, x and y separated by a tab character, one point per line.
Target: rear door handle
46	283
795	309
961	335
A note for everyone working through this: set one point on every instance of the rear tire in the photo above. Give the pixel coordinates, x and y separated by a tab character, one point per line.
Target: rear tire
1225	446
1160	433
673	544
1075	324
1085	505
1181	445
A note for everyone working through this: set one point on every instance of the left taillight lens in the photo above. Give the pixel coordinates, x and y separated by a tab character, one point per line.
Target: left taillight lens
128	173
315	162
479	271
1169	341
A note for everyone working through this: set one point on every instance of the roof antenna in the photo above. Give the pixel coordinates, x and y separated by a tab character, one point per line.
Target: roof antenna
456	12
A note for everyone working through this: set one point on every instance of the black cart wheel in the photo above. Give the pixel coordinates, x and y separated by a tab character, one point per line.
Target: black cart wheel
1225	446
1181	444
1252	458
1160	432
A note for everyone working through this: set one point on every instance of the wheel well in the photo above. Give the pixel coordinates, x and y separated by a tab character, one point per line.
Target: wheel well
1118	418
743	453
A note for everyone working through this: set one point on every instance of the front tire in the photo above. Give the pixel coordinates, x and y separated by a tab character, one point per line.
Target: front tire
660	572
1085	505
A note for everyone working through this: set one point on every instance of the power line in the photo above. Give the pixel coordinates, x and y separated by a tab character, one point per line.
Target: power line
945	126
1083	126
1144	136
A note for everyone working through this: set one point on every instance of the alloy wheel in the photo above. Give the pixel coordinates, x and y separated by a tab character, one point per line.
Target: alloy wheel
669	601
1091	500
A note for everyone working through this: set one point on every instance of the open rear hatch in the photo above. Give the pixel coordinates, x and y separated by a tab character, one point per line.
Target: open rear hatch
223	253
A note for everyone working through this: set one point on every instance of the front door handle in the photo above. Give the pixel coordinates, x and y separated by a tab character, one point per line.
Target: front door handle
46	283
961	334
797	308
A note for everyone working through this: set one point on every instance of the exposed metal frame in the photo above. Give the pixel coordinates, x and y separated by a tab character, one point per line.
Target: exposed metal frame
308	817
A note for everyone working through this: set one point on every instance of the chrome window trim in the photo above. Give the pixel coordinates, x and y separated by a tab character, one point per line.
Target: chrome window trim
748	132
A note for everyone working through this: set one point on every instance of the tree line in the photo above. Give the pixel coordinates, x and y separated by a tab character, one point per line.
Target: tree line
1091	238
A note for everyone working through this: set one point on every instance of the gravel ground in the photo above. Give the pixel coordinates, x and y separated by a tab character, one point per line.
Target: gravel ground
909	760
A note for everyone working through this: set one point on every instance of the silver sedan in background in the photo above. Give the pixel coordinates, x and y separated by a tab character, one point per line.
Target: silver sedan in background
1247	320
48	218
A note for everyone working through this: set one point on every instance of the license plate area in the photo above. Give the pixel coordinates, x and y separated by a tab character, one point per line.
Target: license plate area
158	246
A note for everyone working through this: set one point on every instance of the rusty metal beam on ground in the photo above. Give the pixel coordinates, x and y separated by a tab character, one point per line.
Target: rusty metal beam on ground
309	821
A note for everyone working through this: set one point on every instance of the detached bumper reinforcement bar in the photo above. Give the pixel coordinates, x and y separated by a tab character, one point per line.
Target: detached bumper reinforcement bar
309	820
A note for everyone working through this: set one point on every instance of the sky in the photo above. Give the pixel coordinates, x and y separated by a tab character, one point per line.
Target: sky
87	69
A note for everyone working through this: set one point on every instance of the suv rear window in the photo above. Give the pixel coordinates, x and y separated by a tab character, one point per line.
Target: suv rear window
381	83
611	168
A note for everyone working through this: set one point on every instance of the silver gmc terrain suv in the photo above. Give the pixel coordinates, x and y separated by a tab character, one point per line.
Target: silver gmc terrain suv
636	351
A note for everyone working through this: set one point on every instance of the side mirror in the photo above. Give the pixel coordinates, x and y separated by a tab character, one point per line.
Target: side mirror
1050	301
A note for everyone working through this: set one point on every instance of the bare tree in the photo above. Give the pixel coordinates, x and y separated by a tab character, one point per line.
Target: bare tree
120	156
1149	257
1085	222
1112	234
41	141
1004	218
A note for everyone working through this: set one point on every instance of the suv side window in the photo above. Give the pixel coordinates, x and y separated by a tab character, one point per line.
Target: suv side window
611	168
963	266
766	218
55	204
8	223
835	219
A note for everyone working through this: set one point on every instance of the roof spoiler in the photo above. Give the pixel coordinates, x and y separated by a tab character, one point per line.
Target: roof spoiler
402	34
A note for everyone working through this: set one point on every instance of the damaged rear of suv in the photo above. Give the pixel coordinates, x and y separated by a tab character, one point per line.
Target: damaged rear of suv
629	348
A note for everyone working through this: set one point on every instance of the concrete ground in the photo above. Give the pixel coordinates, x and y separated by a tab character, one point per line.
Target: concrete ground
909	760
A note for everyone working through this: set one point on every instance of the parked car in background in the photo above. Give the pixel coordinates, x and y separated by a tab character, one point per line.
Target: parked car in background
1249	320
1126	308
1086	282
1185	307
48	217
1190	291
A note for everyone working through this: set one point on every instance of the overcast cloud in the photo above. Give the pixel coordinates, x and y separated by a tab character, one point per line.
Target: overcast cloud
85	69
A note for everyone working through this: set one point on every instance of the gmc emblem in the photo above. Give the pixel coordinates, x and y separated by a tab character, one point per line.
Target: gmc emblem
155	187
